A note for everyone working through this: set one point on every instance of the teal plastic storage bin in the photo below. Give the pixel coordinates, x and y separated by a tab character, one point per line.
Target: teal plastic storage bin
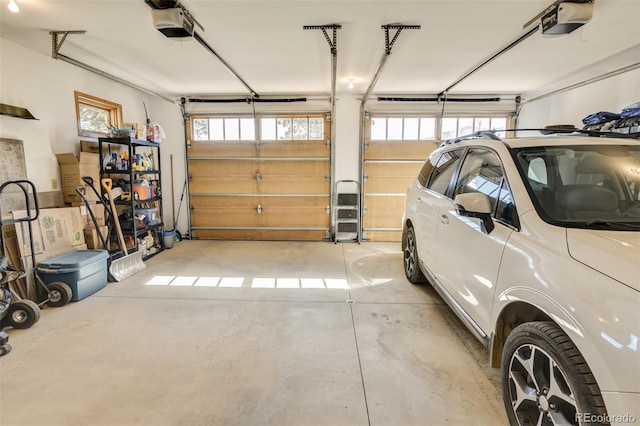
85	271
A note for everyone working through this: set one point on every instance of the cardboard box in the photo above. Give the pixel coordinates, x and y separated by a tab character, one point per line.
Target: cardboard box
98	212
55	231
92	239
141	129
72	169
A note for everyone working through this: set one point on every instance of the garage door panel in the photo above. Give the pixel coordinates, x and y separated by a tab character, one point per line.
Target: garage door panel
387	185
224	217
372	202
393	168
382	219
294	149
383	212
260	235
230	185
390	236
301	185
399	150
221	150
215	168
293	168
212	202
294	217
390	168
390	177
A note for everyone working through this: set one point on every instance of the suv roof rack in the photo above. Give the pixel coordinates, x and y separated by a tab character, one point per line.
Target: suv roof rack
548	130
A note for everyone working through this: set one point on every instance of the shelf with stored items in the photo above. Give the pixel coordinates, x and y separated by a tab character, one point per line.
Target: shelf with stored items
134	167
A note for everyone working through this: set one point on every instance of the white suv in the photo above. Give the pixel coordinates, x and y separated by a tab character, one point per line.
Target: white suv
535	244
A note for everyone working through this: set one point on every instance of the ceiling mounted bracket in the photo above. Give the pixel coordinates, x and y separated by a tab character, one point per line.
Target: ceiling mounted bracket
398	28
56	45
333	42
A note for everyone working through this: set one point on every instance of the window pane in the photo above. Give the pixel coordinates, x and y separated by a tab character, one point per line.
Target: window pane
94	119
480	172
506	210
441	175
283	128
482	123
465	126
427	128
410	128
216	129
378	129
268	129
394	131
316	128
247	129
231	129
449	128
201	129
300	129
499	123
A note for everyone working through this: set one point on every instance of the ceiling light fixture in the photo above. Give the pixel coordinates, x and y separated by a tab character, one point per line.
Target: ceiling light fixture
350	80
13	6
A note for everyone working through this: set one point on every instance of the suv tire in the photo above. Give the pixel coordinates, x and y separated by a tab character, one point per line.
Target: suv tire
411	260
545	377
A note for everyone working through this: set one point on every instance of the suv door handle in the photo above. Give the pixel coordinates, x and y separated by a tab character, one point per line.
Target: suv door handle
444	219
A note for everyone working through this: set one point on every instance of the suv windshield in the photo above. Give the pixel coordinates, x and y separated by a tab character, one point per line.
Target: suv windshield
587	186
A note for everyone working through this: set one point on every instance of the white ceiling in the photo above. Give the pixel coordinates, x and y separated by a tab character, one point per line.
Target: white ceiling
264	42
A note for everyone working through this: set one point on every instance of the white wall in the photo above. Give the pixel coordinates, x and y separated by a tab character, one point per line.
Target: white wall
570	107
45	87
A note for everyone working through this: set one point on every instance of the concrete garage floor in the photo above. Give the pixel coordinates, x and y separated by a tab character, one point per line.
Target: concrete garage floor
253	333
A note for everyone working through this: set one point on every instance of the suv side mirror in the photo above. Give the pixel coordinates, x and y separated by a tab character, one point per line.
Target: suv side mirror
475	204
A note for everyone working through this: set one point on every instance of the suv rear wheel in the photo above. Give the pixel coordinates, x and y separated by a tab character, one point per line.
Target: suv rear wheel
411	261
546	380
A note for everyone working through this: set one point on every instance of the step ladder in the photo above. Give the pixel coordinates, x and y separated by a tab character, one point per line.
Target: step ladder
346	210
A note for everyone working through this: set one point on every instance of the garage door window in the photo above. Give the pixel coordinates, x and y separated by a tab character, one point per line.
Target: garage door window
453	127
402	128
223	129
291	128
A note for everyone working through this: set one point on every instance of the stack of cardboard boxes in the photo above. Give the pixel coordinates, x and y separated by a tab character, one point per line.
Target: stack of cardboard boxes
72	170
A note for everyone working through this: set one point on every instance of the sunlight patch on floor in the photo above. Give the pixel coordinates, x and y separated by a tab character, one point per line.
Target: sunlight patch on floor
258	282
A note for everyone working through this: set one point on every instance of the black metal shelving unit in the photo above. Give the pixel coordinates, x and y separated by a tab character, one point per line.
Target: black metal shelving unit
131	226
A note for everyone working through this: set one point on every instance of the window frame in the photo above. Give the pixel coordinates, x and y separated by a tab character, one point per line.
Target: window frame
258	124
112	108
437	124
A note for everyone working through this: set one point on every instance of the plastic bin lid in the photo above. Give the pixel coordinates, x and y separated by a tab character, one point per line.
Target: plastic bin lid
74	259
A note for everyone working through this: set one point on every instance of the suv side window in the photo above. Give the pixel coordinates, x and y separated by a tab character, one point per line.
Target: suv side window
482	172
443	171
425	172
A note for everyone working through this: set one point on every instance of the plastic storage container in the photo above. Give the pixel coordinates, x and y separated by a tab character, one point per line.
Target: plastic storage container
85	271
143	189
150	215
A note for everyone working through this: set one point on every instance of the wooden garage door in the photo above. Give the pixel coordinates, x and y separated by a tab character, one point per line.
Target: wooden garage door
271	190
391	163
397	147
